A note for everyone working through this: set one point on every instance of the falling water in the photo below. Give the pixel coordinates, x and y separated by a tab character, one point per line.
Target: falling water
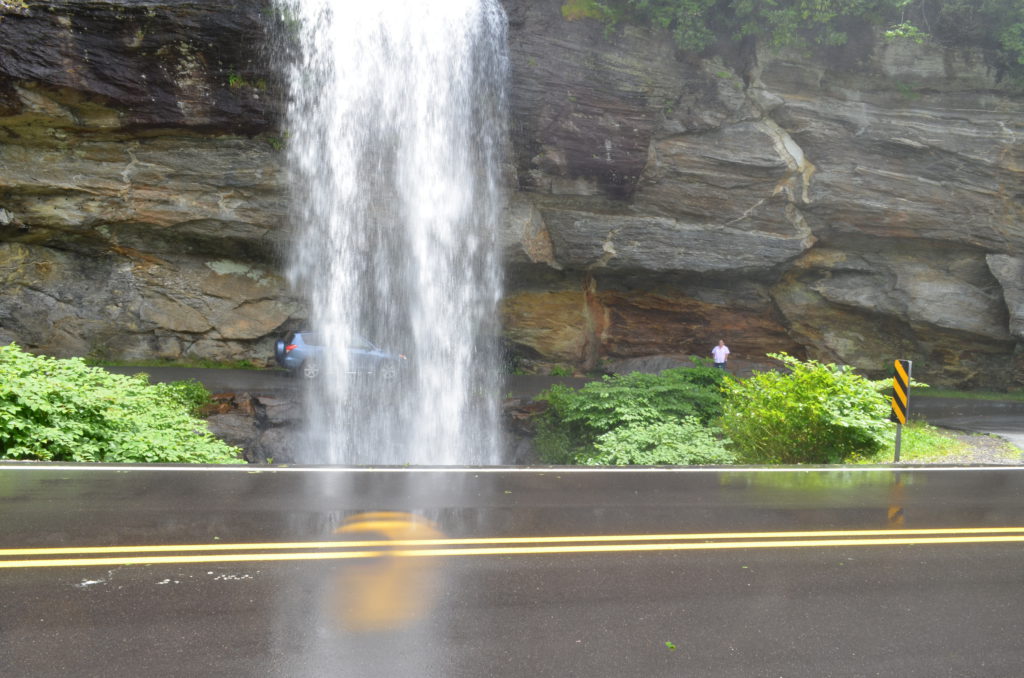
396	126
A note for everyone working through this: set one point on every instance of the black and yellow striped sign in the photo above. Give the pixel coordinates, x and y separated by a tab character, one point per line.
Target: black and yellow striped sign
901	391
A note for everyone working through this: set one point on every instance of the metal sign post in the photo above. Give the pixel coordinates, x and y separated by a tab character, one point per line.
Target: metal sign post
900	399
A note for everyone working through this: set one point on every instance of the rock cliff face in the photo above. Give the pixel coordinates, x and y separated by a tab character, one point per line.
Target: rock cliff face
856	206
141	199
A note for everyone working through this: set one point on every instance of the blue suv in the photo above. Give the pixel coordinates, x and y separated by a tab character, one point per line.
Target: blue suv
301	353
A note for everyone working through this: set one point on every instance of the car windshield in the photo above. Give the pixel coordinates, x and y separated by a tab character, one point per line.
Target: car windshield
314	339
362	345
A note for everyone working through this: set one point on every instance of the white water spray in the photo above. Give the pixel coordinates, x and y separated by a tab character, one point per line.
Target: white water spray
396	128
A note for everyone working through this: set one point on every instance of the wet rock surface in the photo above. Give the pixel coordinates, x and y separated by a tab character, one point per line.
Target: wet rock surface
856	205
141	203
853	206
266	428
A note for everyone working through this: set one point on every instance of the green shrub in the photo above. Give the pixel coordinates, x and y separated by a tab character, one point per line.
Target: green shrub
631	419
678	443
815	414
64	410
190	394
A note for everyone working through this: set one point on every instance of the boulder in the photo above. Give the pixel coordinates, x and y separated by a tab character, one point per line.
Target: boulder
1009	271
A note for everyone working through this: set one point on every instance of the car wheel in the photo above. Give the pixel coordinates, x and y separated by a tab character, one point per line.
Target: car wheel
310	369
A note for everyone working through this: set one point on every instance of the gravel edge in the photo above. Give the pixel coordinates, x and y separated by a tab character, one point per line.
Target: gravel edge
983	448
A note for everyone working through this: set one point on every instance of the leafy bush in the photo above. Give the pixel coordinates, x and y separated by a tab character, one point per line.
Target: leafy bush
679	443
190	394
64	410
633	419
816	414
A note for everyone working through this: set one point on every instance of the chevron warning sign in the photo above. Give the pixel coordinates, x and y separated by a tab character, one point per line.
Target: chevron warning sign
901	391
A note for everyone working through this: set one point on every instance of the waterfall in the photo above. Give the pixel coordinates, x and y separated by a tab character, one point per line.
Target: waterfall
395	131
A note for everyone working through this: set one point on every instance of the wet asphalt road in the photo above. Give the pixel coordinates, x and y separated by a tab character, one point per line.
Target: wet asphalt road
697	603
1001	418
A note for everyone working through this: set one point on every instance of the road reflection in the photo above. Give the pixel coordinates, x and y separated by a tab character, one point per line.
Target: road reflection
387	592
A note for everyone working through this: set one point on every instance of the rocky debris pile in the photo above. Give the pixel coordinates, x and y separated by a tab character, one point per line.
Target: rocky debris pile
266	428
269	428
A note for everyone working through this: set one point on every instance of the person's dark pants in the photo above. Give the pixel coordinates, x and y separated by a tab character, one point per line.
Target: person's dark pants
720	366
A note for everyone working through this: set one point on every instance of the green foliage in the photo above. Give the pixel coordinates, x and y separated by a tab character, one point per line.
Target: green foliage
203	363
236	81
968	395
1012	40
997	25
573	10
697	24
189	394
64	410
688	20
906	31
634	419
920	442
925	443
814	414
682	442
12	7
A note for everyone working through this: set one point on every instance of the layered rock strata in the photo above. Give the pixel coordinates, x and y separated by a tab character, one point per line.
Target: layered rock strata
856	205
141	199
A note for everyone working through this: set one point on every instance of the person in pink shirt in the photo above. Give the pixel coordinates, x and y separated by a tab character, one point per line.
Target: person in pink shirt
720	354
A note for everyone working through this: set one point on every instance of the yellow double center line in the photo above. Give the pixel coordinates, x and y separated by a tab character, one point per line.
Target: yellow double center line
490	546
